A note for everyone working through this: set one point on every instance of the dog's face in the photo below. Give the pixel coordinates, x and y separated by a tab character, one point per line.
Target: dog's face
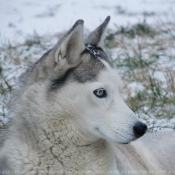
98	109
84	86
109	116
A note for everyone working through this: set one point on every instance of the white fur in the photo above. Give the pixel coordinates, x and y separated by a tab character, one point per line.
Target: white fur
71	127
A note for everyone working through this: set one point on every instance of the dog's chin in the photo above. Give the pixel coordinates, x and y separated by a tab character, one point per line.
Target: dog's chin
127	142
114	140
124	143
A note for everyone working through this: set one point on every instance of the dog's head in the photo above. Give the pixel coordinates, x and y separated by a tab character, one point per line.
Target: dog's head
82	84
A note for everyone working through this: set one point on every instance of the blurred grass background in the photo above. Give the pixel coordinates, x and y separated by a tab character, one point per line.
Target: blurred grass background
144	56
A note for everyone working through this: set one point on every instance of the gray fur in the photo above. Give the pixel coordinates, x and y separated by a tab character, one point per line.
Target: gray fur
86	71
4	167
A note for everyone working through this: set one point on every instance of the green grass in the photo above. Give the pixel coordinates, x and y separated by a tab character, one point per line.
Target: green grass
143	55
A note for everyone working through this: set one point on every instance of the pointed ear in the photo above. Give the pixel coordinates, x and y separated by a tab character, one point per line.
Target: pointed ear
68	49
96	37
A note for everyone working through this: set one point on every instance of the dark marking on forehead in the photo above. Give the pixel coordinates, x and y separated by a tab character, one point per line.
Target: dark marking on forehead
60	81
85	71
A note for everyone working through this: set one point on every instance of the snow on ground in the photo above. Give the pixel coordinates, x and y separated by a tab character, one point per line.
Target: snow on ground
20	18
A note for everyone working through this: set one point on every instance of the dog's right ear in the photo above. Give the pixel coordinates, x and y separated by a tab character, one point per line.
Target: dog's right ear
67	52
96	37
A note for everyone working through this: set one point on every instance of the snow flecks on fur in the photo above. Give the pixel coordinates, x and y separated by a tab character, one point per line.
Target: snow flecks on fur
93	51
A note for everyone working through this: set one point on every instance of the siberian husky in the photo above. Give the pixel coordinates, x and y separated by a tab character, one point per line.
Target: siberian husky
68	117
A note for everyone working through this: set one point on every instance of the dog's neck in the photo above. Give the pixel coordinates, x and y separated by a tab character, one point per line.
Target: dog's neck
63	131
59	139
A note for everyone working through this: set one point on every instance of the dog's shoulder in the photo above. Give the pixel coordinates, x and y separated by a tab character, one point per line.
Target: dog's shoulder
155	147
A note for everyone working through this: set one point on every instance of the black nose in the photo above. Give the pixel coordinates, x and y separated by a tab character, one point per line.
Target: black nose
139	129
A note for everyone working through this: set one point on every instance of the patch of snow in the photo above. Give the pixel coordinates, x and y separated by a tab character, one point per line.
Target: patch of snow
157	124
21	18
135	87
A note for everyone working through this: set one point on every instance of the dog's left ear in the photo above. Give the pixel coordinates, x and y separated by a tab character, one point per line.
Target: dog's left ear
96	37
67	52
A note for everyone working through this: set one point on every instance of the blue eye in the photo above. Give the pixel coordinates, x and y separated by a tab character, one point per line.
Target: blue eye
100	93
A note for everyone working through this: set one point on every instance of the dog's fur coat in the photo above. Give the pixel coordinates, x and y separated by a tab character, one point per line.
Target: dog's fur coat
67	116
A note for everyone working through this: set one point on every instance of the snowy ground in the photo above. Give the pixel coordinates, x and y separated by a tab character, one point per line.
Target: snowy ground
39	22
20	18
